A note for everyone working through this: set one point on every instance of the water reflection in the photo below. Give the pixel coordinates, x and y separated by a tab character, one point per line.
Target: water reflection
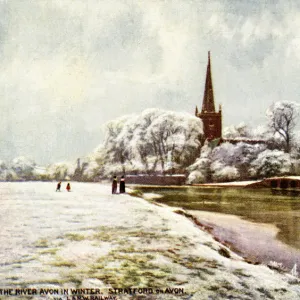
278	207
285	192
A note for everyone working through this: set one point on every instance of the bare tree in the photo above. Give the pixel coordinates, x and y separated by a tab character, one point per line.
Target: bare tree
282	120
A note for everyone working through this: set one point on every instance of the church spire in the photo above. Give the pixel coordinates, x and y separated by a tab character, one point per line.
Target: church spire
212	120
208	104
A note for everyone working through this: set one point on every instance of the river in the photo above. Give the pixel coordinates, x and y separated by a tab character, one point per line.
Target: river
259	224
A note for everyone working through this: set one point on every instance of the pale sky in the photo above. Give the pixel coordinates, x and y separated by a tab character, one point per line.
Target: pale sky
67	66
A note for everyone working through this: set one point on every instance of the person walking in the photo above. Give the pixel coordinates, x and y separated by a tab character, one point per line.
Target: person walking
122	185
114	185
68	188
58	187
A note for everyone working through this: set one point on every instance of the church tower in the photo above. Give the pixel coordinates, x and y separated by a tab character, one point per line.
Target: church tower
212	120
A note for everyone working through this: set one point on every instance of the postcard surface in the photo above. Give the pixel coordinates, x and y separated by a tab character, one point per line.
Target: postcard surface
149	149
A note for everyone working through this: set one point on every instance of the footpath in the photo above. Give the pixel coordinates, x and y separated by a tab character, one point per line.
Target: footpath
125	247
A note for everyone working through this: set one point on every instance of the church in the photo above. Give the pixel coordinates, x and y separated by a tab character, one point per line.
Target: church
212	120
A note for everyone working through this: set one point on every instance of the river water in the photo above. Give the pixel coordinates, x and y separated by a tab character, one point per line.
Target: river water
260	224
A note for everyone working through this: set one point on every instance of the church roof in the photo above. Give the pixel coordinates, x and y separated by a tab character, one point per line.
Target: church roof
208	104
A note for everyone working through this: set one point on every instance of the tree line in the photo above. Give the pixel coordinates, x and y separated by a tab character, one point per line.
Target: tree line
165	142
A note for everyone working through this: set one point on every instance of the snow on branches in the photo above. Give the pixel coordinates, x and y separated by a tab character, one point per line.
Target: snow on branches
155	141
271	163
282	118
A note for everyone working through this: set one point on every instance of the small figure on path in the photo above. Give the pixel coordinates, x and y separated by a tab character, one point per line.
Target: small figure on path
114	185
58	187
68	188
122	185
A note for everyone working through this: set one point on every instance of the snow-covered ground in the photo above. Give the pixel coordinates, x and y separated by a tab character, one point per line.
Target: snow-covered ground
231	183
89	238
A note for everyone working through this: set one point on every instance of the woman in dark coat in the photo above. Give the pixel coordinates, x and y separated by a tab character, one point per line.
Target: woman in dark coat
122	185
114	185
58	186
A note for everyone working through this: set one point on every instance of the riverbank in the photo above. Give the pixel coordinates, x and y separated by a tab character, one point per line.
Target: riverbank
226	184
91	239
237	216
239	235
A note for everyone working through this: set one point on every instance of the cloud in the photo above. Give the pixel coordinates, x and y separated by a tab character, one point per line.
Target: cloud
67	67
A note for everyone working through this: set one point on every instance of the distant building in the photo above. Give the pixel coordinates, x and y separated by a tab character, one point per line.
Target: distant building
212	120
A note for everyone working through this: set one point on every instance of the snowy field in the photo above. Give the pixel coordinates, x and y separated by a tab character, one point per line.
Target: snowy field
89	238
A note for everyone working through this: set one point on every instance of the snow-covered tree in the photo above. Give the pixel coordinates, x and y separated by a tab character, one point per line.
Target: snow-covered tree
221	172
262	132
175	139
92	167
61	171
271	163
3	170
140	145
239	155
225	162
200	171
118	134
155	141
237	131
23	167
282	118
